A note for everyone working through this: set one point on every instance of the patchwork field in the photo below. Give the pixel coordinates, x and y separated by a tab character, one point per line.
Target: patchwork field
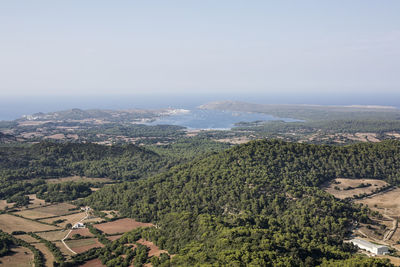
72	219
121	226
10	223
63	249
53	235
48	211
82	232
82	245
343	188
21	257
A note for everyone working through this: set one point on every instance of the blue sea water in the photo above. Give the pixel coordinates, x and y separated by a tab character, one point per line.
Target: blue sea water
14	107
213	119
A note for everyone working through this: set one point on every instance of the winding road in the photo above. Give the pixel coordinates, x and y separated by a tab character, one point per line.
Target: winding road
81	220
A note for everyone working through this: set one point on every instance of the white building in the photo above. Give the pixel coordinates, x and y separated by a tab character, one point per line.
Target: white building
371	247
78	226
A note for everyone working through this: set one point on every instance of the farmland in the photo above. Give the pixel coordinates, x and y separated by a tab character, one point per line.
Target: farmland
20	257
82	245
387	204
121	226
52	235
348	188
10	223
82	232
72	218
48	222
47	211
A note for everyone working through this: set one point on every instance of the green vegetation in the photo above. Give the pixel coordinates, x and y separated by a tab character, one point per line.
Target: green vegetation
17	191
255	204
50	159
21	165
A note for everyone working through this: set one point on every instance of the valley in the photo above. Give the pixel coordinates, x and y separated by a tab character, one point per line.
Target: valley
273	192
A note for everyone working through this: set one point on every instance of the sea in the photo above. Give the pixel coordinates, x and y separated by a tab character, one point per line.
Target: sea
12	108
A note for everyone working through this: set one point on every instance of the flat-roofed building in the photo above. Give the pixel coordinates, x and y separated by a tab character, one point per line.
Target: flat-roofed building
371	247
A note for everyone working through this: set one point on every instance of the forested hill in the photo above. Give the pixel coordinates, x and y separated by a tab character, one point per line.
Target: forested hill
257	203
50	159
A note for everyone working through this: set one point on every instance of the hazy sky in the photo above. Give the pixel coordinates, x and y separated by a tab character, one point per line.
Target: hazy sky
127	47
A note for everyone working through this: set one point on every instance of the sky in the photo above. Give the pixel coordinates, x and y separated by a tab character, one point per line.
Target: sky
74	47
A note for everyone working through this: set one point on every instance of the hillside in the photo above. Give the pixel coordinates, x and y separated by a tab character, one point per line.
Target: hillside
49	159
6	138
257	203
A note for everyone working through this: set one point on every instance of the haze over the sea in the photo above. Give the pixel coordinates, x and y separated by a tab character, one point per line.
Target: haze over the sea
14	107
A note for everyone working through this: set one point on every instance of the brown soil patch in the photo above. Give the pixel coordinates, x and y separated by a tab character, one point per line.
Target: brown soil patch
82	232
93	263
234	140
4	204
82	245
72	219
396	135
22	257
111	213
46	252
370	137
35	202
73	136
56	136
154	250
31	135
394	260
10	223
121	226
345	183
386	203
48	211
31	123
